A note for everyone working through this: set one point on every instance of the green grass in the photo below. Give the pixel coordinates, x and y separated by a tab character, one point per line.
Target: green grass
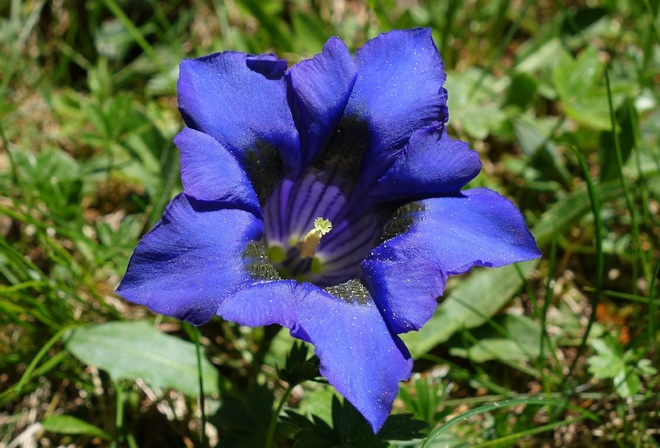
560	99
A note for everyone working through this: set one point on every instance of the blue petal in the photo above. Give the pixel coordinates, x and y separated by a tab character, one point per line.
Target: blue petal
268	65
359	355
191	260
479	228
431	164
321	87
398	91
211	174
262	304
404	284
241	101
443	236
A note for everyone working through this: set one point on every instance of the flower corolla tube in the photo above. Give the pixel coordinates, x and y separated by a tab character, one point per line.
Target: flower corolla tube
326	198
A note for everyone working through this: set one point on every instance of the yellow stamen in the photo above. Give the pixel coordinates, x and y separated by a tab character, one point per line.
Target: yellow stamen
311	241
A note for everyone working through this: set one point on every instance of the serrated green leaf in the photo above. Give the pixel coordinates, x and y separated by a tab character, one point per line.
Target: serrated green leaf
402	427
627	383
297	368
351	430
244	417
351	427
608	363
296	421
66	424
312	438
128	350
645	366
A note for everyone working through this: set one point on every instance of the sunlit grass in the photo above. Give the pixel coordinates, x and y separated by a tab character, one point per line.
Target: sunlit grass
560	101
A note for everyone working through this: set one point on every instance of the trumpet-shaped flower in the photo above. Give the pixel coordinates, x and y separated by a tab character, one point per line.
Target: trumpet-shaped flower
326	198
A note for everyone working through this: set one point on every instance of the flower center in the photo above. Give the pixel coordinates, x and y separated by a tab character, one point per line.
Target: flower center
327	190
316	230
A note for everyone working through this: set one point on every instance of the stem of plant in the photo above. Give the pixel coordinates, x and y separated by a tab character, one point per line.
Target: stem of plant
202	404
273	422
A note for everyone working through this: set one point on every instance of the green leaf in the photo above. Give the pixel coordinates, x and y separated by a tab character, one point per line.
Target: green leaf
472	303
423	395
576	81
607	150
645	366
575	22
474	103
608	363
137	350
535	139
611	362
579	83
66	424
402	427
318	401
521	91
484	292
569	210
269	14
350	429
313	438
310	30
244	416
509	337
297	368
627	383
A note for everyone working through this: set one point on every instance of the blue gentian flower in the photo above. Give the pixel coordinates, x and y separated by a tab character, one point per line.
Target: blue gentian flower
325	198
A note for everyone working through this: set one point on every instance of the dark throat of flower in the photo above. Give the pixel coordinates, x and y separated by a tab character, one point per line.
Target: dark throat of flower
317	226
